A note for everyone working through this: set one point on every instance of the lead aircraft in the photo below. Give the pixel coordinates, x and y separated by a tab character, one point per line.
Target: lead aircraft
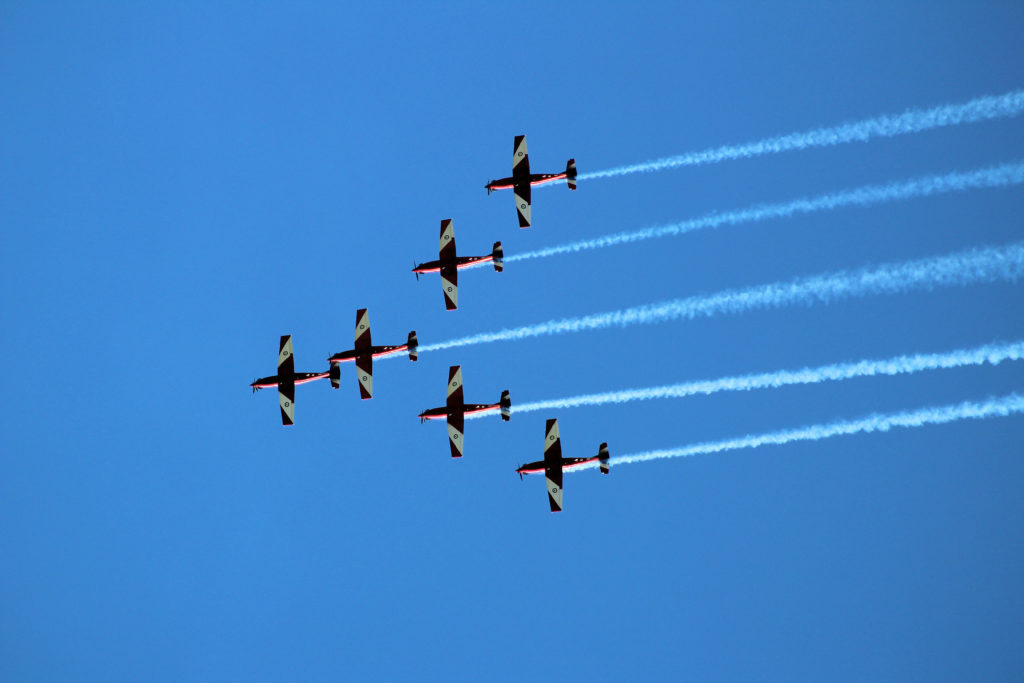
553	464
521	179
456	410
364	353
449	264
286	379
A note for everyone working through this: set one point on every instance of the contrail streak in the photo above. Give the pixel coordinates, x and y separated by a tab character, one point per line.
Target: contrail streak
912	121
993	176
900	365
989	264
1012	404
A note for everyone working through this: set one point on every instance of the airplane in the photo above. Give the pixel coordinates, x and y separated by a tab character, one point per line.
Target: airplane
553	464
449	264
456	410
364	353
522	179
286	379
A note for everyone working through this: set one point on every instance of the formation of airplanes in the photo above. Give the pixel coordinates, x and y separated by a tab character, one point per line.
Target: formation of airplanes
455	410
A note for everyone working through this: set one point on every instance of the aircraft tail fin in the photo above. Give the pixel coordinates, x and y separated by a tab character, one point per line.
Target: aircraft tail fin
603	455
506	406
570	174
414	345
498	256
335	375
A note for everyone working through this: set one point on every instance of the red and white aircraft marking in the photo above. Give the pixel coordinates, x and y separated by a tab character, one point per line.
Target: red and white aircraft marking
287	379
455	410
449	264
521	179
364	353
553	464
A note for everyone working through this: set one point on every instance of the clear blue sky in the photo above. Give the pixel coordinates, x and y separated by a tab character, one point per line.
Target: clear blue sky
181	184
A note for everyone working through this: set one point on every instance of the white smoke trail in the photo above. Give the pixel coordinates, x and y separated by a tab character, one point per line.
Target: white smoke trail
968	410
912	121
900	365
988	264
994	176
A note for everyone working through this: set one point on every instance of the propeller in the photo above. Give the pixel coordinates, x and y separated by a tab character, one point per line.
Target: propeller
520	471
415	271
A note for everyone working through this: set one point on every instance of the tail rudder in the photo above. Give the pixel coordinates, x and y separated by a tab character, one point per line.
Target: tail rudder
603	456
506	406
570	174
414	345
498	257
335	375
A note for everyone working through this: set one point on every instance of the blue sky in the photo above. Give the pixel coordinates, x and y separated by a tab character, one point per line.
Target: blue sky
182	184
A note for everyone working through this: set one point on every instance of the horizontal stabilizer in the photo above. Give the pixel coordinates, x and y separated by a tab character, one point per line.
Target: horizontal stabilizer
414	345
498	257
506	406
603	455
570	174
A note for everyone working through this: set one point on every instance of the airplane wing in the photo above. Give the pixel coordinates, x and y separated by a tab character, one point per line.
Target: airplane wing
521	180
450	286
286	393
455	399
447	249
363	329
520	159
364	371
286	380
285	357
522	193
456	425
456	416
553	465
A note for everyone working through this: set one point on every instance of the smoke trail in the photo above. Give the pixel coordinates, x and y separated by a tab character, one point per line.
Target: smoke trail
994	176
988	264
900	365
912	121
968	410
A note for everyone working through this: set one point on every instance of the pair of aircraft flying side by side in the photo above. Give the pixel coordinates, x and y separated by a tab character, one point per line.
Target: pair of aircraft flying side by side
456	409
449	263
362	354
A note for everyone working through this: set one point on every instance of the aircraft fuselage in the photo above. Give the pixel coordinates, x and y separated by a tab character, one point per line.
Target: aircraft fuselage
567	464
535	179
467	409
374	351
460	262
300	378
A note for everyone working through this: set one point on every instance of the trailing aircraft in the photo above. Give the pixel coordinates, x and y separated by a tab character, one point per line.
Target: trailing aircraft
553	464
286	379
455	410
364	353
521	179
449	264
